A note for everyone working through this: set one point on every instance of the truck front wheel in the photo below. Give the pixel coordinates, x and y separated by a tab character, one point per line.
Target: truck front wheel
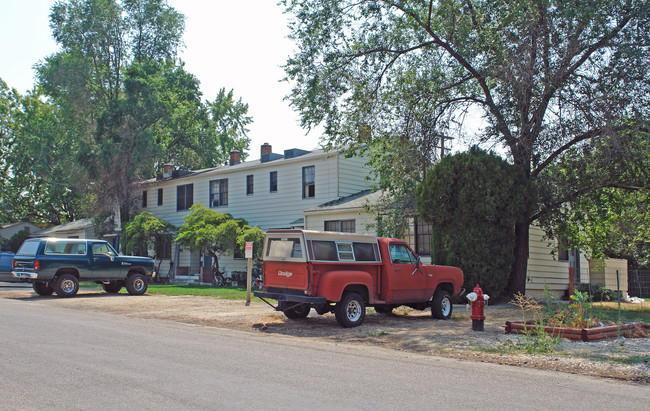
441	306
66	285
136	284
350	311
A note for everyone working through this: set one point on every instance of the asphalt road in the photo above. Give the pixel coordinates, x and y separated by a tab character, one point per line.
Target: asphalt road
56	358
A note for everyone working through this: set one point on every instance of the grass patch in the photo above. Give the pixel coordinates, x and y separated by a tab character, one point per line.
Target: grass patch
608	311
225	293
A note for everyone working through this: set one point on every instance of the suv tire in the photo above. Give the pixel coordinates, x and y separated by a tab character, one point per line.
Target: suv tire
136	284
66	285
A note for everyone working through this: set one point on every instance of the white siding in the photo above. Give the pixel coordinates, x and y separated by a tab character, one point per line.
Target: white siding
543	267
603	273
262	208
316	220
351	181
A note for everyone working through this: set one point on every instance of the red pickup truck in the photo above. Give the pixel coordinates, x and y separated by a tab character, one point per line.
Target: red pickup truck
345	273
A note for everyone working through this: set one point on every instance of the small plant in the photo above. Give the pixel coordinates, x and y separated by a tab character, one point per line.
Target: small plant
536	340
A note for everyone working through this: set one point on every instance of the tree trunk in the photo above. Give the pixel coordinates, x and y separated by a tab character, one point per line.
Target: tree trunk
517	283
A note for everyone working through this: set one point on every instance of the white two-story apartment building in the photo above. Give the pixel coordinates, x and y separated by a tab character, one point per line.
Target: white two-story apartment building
271	192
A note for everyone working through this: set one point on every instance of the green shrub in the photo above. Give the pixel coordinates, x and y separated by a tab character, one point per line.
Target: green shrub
473	201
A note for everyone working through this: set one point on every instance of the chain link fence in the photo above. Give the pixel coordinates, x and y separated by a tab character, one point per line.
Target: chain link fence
638	283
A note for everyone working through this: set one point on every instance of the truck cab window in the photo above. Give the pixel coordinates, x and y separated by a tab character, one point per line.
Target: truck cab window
400	254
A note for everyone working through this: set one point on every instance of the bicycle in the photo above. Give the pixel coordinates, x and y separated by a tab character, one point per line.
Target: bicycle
219	280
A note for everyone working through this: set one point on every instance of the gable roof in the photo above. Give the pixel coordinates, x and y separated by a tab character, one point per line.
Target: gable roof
74	226
352	202
289	156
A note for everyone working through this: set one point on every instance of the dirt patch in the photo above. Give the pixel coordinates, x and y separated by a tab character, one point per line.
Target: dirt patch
405	329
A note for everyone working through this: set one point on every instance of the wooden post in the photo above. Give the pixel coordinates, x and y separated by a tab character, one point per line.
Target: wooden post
249	270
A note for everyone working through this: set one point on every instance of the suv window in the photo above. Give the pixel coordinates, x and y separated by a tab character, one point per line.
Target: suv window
29	248
65	247
103	249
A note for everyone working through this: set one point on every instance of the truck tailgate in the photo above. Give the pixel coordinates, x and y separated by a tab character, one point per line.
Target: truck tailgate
278	274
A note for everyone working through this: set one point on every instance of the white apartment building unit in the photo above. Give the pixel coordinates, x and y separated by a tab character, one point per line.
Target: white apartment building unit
272	192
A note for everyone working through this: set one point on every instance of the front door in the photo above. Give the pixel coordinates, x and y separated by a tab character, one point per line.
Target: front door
104	263
410	283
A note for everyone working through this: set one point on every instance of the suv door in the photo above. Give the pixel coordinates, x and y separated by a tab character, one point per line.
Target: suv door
103	263
410	283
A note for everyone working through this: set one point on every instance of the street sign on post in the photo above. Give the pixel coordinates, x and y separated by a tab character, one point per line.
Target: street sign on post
249	249
249	256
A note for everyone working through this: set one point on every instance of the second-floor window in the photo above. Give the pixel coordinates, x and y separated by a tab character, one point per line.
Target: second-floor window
273	181
309	182
160	196
219	193
249	184
144	199
184	197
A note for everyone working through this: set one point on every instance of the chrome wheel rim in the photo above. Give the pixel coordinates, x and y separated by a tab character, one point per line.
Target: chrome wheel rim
353	310
445	306
138	284
67	286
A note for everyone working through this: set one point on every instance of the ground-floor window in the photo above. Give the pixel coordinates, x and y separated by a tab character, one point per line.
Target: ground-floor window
341	226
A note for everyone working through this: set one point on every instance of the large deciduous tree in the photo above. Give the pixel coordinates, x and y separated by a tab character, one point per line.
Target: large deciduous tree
545	76
38	171
126	98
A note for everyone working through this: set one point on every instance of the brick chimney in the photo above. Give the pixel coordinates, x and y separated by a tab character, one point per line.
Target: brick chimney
235	157
265	149
168	168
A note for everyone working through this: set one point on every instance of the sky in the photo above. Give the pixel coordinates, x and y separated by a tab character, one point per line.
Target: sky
236	44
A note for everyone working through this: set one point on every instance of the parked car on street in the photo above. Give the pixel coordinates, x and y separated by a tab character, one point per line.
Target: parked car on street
56	265
5	267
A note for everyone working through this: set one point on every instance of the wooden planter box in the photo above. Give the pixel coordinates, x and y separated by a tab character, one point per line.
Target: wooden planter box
583	334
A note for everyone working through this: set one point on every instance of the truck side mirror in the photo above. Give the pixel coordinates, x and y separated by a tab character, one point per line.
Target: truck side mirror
418	262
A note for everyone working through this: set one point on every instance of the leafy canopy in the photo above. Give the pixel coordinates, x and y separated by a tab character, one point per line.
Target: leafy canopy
544	77
213	233
146	232
127	103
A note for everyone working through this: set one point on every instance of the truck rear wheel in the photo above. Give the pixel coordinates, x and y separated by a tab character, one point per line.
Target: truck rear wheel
42	288
350	311
136	284
297	311
66	285
113	287
441	306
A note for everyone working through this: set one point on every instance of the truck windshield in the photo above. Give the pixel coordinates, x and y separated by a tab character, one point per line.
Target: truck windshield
283	248
29	248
